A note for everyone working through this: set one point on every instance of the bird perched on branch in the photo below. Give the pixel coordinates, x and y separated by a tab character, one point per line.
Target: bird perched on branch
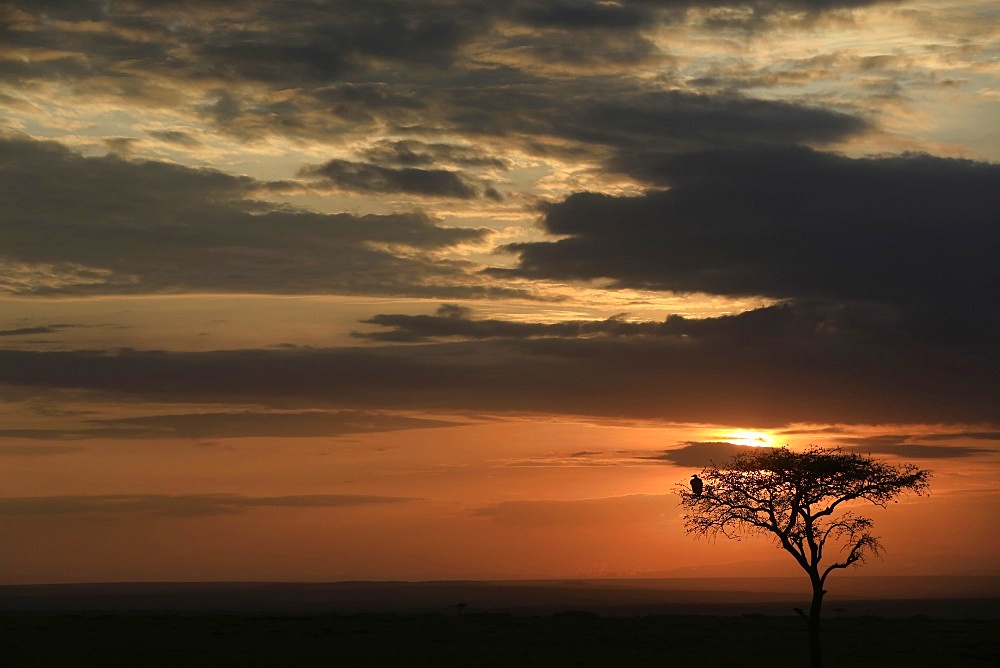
697	484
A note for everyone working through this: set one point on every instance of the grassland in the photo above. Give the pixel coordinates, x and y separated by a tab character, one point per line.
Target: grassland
484	639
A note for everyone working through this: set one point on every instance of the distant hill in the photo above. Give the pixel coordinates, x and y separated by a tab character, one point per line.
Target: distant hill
972	597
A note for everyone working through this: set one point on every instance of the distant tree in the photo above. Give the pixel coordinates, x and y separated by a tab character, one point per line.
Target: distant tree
803	501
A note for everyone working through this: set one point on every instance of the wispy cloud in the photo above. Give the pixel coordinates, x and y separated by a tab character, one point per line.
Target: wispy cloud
618	510
33	450
233	425
183	505
902	445
39	329
699	454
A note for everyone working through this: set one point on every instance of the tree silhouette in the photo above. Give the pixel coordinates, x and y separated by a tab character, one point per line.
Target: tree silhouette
803	502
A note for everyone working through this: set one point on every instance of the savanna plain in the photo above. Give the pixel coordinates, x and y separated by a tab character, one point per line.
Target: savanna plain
486	639
553	623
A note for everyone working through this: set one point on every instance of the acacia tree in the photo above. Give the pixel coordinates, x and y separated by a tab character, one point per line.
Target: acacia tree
802	501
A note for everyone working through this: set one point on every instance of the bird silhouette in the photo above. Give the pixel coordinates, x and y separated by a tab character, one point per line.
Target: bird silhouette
697	484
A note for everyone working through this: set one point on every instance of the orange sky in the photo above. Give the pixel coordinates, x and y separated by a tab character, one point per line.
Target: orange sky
503	498
460	290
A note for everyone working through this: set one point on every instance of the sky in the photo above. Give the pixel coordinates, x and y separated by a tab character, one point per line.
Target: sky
315	290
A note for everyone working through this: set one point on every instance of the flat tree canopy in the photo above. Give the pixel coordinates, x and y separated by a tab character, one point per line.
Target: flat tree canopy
804	501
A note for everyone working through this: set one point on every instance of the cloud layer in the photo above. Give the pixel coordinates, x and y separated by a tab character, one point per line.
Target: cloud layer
182	505
658	143
99	225
784	364
298	424
912	233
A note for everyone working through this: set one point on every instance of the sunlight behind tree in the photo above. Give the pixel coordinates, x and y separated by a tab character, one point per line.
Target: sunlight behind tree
803	502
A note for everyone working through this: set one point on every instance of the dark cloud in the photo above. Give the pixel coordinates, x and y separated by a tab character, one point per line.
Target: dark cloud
174	137
902	446
691	121
614	118
453	311
881	259
387	65
800	322
269	41
186	505
366	102
719	371
577	39
38	450
700	454
456	324
411	167
304	44
41	329
589	15
413	153
919	451
601	52
914	232
370	178
973	435
233	425
108	225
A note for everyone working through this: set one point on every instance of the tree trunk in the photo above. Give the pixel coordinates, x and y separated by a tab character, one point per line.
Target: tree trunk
812	623
815	644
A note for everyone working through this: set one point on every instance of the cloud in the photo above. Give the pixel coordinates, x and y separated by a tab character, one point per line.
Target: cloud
586	15
975	435
299	424
303	44
450	323
598	117
333	70
413	153
700	454
800	321
901	446
71	224
7	450
766	368
261	40
174	137
183	505
40	329
367	177
920	451
636	508
617	119
909	232
883	266
685	121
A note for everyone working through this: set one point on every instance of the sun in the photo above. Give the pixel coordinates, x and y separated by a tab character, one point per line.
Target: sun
755	439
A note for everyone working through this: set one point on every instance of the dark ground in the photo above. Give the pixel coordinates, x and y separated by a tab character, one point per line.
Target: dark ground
484	639
869	622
